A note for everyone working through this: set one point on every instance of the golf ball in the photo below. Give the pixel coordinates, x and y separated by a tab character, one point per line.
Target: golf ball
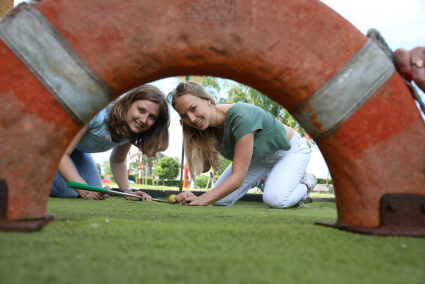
171	198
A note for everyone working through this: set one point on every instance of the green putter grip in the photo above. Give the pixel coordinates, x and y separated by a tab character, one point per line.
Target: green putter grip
83	186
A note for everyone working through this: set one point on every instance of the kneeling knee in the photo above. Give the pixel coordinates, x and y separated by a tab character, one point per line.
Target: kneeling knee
276	202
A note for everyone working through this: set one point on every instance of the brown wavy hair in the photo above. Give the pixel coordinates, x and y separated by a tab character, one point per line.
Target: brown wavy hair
200	146
155	139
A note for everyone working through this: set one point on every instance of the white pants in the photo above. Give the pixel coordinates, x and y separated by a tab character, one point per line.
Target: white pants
284	171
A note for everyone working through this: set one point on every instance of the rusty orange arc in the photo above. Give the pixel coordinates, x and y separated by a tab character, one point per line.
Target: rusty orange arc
286	49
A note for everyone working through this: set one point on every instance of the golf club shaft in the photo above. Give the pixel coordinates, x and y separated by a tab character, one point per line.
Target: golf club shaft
83	186
133	195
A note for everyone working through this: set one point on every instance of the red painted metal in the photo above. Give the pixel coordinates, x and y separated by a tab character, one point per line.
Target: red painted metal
34	132
185	176
286	49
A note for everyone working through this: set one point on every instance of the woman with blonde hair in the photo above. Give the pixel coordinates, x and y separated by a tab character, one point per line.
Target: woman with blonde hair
256	142
139	118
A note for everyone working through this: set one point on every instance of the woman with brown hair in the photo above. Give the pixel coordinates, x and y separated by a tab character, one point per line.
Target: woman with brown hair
139	118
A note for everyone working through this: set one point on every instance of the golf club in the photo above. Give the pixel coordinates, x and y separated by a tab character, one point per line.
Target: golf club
83	186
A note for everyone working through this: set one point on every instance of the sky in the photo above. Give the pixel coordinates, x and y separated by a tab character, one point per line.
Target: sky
401	23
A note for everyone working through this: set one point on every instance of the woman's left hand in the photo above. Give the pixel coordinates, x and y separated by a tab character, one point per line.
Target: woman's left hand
188	198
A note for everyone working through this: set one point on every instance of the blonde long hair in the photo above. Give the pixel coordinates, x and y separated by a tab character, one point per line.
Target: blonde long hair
155	139
200	146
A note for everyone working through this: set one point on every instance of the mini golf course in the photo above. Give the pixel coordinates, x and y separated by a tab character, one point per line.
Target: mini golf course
122	241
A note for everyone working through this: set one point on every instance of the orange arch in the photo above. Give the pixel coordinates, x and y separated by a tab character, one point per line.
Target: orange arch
286	49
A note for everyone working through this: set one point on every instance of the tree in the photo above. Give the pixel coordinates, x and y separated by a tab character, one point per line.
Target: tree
134	168
99	168
167	168
201	181
106	168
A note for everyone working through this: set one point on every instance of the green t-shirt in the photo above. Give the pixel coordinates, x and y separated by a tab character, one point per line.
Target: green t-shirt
243	118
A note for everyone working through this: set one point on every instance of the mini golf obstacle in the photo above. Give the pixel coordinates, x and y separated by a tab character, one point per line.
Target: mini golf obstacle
63	61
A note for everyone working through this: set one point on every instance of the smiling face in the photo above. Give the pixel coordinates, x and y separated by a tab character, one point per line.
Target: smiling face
141	115
194	111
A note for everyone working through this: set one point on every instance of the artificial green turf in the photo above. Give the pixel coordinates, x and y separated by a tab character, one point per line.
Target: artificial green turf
161	243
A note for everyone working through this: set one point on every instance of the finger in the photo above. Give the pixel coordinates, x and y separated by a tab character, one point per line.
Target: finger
419	77
418	52
99	196
179	197
402	61
193	203
190	199
143	196
90	196
185	200
417	57
135	198
187	197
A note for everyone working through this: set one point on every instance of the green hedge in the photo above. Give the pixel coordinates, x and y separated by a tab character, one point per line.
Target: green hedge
171	182
201	181
152	181
324	181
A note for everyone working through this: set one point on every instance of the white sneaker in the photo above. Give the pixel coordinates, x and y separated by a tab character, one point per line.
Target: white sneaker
302	204
310	181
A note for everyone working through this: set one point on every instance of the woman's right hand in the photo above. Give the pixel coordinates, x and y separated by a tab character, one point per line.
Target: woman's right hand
91	195
143	196
185	197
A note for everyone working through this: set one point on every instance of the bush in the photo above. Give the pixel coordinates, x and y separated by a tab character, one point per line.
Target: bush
171	182
149	180
201	181
152	181
132	177
224	164
324	181
167	168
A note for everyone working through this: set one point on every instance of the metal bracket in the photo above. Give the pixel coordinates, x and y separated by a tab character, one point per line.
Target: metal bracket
401	215
24	225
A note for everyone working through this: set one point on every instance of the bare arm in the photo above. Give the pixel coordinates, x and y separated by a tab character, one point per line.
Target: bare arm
241	160
68	171
119	169
118	165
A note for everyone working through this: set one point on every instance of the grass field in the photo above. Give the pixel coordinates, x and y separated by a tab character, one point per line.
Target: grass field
120	241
